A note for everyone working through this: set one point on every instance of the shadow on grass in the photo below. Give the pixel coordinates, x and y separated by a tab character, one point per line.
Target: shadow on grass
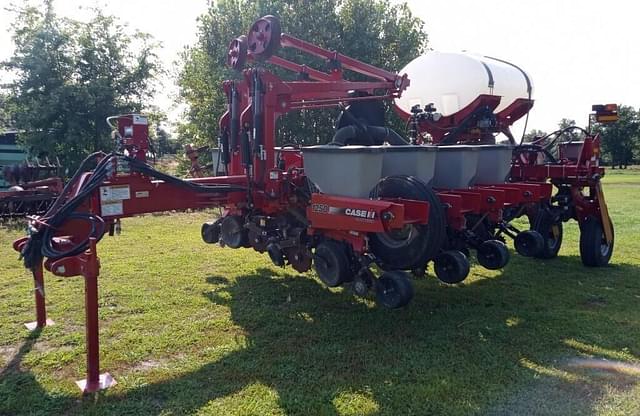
13	365
500	345
20	392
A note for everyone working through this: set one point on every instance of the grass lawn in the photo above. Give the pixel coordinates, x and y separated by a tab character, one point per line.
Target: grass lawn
189	328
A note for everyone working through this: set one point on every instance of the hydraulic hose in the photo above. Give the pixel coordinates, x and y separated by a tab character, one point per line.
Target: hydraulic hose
41	244
547	143
374	135
235	118
344	134
536	148
385	134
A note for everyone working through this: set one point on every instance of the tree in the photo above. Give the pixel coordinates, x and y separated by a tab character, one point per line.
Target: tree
165	145
6	113
70	76
374	31
621	140
571	134
565	123
533	134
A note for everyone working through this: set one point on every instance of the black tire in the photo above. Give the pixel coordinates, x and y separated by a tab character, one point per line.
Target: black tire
529	243
275	254
451	267
493	254
394	289
419	272
232	232
594	250
437	220
414	245
331	263
551	231
210	232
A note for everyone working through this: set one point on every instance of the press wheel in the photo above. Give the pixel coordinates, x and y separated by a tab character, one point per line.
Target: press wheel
492	254
550	229
394	289
529	243
451	267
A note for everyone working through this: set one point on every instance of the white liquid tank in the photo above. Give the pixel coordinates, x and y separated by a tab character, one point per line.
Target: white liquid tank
451	81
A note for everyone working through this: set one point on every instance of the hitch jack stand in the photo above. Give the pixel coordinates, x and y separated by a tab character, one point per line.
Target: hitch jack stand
89	266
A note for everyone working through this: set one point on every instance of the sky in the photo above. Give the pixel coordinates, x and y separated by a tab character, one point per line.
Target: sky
578	53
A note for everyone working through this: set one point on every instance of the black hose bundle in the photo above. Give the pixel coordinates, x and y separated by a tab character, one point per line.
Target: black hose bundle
547	144
145	169
367	136
525	148
40	243
556	135
41	240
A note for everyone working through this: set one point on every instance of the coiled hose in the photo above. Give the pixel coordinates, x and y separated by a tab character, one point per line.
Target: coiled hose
41	240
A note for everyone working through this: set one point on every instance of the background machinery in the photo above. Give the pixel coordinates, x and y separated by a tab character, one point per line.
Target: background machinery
33	185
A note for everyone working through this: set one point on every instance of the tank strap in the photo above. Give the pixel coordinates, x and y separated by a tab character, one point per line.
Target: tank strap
524	74
491	83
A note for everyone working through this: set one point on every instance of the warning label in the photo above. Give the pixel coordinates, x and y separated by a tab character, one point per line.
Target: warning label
111	208
114	193
137	119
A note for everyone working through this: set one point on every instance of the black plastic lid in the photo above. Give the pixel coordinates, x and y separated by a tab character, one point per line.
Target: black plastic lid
410	148
325	148
457	148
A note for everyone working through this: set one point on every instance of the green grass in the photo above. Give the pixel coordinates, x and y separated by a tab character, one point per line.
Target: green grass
189	328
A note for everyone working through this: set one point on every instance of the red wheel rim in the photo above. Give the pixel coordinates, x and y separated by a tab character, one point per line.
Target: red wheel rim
237	54
264	37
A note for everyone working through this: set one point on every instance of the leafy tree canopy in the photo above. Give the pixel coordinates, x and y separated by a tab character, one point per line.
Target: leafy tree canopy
533	134
70	75
6	112
621	140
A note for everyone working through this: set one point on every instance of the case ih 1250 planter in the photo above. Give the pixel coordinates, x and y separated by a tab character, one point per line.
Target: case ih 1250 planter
371	197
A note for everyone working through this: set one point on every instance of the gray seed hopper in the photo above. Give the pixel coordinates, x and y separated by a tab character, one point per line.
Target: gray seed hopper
344	170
